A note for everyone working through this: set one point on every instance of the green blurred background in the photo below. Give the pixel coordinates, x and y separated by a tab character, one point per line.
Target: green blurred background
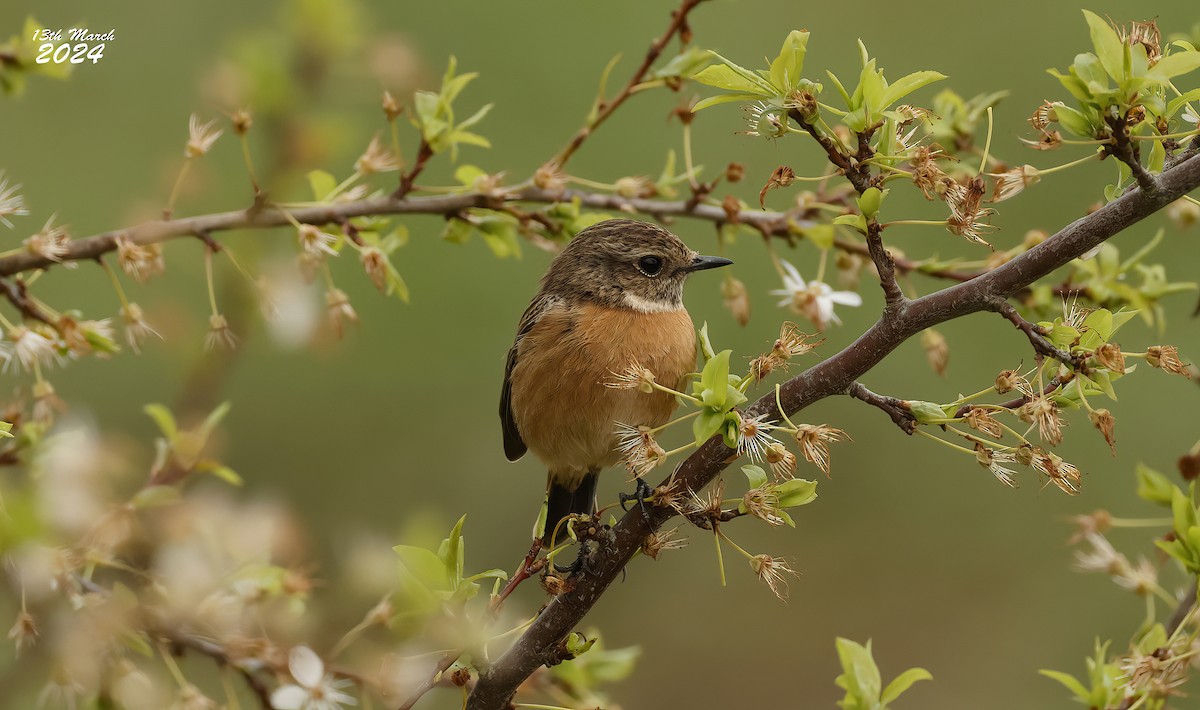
394	428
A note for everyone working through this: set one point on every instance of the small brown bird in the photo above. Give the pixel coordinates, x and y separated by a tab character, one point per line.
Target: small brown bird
611	299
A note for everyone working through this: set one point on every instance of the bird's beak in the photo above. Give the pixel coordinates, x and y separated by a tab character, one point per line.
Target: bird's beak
700	263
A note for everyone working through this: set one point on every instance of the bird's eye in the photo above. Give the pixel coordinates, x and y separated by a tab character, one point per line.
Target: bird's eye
650	265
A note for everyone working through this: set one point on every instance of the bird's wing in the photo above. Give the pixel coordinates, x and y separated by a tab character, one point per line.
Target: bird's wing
514	446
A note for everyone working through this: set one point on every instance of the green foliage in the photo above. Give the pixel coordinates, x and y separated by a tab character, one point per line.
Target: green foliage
593	667
433	114
1104	683
436	576
861	680
20	60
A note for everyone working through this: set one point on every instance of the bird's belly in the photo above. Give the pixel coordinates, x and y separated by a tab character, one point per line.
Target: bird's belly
563	410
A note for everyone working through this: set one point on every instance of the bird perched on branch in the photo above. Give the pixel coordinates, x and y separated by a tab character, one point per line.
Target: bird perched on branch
611	300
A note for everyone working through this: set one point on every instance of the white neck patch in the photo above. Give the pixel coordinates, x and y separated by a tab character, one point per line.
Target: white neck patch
646	305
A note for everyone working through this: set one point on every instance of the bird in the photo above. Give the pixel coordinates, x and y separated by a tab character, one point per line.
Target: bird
611	299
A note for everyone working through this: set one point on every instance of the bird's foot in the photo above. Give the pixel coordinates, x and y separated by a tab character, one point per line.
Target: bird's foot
641	492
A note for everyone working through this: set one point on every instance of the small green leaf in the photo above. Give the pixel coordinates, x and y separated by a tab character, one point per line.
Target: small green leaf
706	424
787	67
1068	680
1174	65
903	682
905	86
164	419
755	475
322	183
795	492
1107	44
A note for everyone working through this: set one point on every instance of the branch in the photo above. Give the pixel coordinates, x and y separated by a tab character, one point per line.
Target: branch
894	408
1126	151
218	654
1037	338
603	108
16	295
496	686
426	685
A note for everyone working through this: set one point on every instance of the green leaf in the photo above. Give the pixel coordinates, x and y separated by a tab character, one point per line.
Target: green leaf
706	346
795	492
452	557
723	99
755	475
424	566
860	675
1107	44
731	77
787	67
164	419
821	235
221	471
1068	680
905	86
1174	65
903	682
714	381
870	201
706	424
852	220
322	183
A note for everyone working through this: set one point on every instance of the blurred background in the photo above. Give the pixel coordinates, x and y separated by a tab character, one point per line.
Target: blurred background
391	432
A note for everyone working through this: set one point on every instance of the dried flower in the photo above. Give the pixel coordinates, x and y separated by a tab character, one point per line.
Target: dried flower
966	211
736	300
783	461
814	443
51	243
1012	182
1062	474
12	204
1009	380
219	335
994	461
316	242
140	261
376	159
772	570
656	542
982	420
136	327
340	310
755	438
813	300
375	263
1109	356
28	349
708	507
391	107
1104	421
633	186
1042	117
200	137
1166	358
24	631
551	178
782	177
763	503
313	689
1145	34
46	404
1094	523
792	342
242	121
925	171
1141	578
1044	413
633	377
639	449
1102	557
937	351
734	172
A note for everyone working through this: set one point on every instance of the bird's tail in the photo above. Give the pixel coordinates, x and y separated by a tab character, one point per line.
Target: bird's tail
563	500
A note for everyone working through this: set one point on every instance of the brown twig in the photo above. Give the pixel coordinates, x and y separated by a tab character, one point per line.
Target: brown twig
1124	149
894	408
1037	337
424	153
604	109
431	682
834	375
15	293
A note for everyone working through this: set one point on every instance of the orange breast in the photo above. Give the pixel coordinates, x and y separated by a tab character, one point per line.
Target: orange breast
565	414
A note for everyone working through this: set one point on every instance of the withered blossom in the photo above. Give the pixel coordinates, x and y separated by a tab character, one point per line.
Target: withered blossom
782	461
1166	358
1104	421
814	443
337	303
966	211
219	337
736	300
638	448
632	186
137	330
994	461
201	137
773	571
1110	357
1061	473
1012	182
140	261
51	242
1044	413
375	263
755	438
316	242
12	204
633	377
982	420
376	159
657	542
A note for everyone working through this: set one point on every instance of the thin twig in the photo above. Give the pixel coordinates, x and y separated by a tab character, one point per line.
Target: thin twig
605	108
431	682
894	408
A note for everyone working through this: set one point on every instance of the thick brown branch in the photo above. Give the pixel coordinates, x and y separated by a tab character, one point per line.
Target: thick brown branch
498	684
894	408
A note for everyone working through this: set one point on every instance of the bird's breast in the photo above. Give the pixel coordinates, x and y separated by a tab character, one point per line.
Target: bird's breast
563	410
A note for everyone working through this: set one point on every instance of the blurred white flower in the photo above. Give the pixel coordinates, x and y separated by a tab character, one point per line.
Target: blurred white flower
813	299
313	689
11	202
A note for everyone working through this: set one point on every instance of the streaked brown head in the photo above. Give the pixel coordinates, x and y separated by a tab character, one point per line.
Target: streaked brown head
622	263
